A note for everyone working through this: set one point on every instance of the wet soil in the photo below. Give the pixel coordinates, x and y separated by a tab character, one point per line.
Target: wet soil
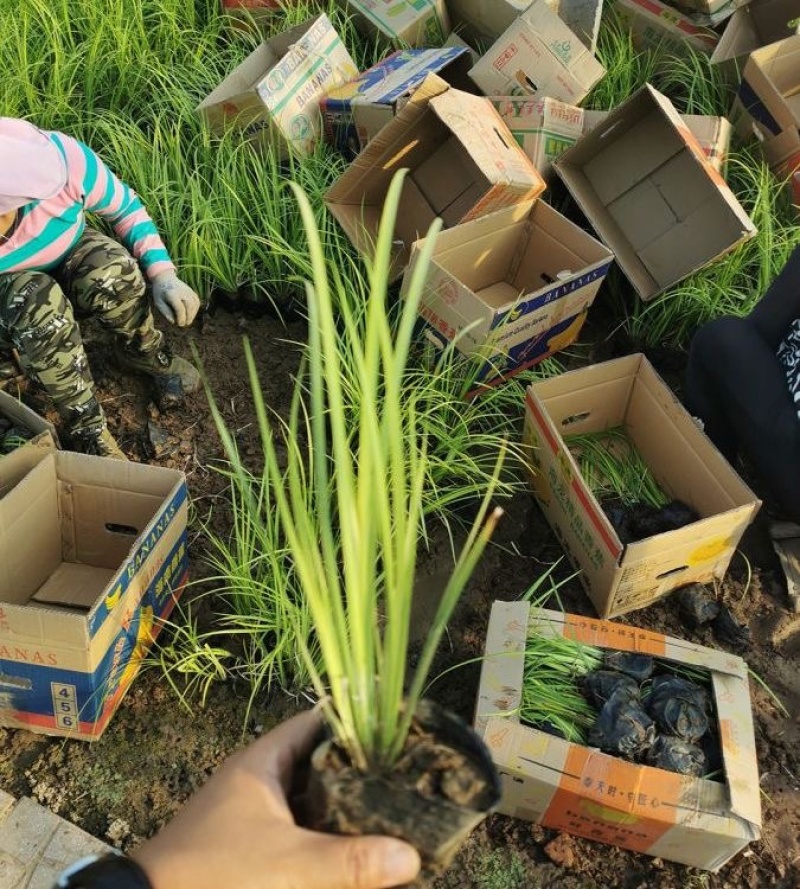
155	753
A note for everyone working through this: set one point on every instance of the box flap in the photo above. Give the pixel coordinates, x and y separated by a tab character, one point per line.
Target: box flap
480	129
73	586
16	465
502	668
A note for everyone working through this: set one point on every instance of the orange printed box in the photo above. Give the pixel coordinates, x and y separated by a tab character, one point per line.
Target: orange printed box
569	787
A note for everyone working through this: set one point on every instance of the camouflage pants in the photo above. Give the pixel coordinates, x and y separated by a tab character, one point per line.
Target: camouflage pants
38	312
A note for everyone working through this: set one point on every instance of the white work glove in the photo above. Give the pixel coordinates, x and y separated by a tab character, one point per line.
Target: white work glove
176	301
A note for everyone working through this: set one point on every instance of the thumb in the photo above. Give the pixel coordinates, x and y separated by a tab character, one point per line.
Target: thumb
363	863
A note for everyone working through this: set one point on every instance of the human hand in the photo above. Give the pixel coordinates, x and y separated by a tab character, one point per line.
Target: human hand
238	831
176	301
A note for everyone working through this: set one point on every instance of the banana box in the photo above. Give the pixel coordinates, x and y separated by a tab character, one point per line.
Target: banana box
93	557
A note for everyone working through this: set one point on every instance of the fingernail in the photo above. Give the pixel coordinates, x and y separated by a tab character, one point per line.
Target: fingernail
401	861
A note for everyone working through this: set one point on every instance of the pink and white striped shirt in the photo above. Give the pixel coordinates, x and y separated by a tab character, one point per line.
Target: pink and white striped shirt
47	230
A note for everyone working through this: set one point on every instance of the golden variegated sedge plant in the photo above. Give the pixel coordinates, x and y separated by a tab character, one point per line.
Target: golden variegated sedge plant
351	508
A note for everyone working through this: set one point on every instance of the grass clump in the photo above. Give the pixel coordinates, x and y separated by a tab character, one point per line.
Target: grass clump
551	699
351	509
612	466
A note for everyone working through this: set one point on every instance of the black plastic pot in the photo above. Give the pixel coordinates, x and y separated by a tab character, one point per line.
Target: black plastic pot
443	786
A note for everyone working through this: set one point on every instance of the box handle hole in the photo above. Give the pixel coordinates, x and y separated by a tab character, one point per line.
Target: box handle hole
127	530
576	418
530	83
500	137
671	571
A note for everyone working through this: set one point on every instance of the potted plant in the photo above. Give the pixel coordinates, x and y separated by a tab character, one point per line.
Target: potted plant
351	508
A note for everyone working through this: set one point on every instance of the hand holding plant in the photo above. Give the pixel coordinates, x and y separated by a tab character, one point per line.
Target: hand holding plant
238	831
352	512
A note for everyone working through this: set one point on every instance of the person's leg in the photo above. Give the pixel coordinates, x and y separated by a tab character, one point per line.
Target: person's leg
780	305
104	281
37	319
737	386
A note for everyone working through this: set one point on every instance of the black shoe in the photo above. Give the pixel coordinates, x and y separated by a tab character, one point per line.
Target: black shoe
98	442
172	376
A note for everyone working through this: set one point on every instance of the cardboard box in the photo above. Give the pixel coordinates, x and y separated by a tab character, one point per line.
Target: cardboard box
545	129
577	789
582	17
463	163
273	96
92	559
481	22
21	415
410	22
538	55
653	24
354	113
648	189
628	392
512	287
758	24
709	13
713	134
770	98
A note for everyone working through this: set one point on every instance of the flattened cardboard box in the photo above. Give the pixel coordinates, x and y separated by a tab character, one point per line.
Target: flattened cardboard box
546	128
92	559
648	189
411	22
355	112
463	163
770	98
694	821
512	287
758	24
653	23
628	392
273	96
538	55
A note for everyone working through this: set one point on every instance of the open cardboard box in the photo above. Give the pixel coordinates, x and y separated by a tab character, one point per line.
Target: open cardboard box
546	128
512	287
538	55
92	560
694	821
273	96
628	392
462	160
758	24
408	22
648	189
354	113
769	103
655	24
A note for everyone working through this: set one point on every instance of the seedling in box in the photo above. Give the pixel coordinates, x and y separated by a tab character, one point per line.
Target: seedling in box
581	790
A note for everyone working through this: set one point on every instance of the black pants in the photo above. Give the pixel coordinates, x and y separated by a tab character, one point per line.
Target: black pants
737	386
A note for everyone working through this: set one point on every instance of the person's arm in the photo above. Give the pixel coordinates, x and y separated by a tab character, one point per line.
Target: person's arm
112	200
238	831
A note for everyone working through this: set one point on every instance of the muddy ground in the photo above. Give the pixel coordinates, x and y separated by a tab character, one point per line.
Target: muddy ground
154	753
